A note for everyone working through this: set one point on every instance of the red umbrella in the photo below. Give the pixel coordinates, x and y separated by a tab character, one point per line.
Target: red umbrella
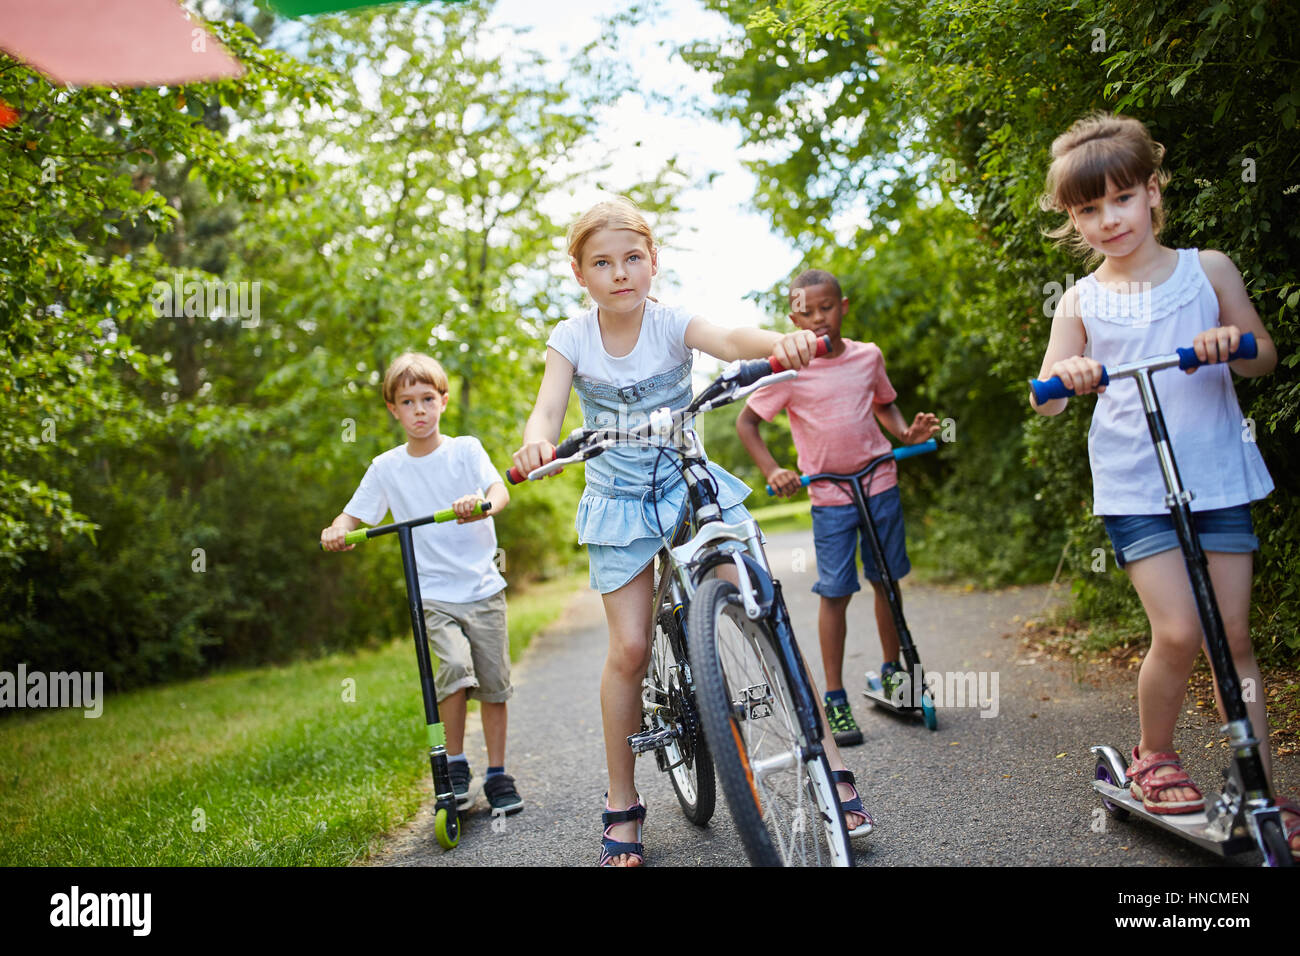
112	42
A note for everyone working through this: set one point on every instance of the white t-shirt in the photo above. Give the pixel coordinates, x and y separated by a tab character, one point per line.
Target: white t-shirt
660	346
456	562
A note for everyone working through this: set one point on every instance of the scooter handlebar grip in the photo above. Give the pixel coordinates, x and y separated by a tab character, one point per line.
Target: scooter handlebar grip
803	480
907	451
1247	348
1045	391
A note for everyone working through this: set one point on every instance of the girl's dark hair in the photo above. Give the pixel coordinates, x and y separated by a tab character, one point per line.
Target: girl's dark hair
1097	148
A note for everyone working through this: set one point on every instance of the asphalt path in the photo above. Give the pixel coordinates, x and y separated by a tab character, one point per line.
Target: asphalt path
1003	782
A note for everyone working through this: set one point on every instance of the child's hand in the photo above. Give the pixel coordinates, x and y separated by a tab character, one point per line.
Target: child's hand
796	349
332	539
924	425
1215	345
533	455
784	482
1079	374
466	508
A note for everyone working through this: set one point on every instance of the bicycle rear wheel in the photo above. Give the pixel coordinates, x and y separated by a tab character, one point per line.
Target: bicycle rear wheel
783	801
686	757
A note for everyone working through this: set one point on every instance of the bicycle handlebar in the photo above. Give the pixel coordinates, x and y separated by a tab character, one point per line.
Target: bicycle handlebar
1185	359
447	514
902	451
740	374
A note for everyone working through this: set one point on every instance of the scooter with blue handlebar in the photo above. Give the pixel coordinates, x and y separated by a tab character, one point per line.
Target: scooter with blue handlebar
1245	817
906	692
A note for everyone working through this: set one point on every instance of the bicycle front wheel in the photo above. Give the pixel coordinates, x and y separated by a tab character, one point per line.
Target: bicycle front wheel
783	800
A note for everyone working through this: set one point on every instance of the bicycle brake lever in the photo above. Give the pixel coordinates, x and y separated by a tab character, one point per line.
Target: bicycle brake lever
764	382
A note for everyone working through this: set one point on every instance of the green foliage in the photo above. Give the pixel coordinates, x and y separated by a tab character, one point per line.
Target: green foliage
887	120
169	459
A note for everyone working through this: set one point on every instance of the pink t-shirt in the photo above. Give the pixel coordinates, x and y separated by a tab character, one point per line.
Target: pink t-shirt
833	418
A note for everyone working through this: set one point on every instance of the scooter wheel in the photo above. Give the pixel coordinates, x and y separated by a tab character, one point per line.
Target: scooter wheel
446	827
1276	850
928	713
1104	774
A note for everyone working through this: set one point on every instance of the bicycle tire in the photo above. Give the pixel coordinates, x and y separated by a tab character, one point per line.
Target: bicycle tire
784	803
690	767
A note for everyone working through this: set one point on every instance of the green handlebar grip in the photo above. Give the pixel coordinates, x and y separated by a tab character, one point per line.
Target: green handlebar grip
355	537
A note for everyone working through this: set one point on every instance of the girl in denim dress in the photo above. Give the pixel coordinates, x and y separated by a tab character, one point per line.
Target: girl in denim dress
626	357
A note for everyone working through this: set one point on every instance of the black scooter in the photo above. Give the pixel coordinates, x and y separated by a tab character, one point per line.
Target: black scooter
907	694
1245	815
446	817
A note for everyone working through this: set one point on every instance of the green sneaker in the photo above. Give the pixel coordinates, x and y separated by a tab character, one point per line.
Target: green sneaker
844	728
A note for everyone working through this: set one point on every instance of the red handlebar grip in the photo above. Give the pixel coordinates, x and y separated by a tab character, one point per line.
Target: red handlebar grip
823	348
514	477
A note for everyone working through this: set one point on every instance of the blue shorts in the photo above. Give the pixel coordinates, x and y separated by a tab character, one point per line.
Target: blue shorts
836	531
1135	537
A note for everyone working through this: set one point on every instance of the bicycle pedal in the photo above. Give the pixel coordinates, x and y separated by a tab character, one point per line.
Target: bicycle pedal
755	703
648	740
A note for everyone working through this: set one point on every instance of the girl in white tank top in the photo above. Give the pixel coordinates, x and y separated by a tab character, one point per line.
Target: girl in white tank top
1147	299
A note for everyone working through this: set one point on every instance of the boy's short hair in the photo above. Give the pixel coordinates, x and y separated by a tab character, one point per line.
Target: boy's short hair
812	277
412	368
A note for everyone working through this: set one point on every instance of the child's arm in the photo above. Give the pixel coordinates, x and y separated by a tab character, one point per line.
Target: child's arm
794	350
465	507
784	482
543	428
1064	356
923	426
1236	316
332	537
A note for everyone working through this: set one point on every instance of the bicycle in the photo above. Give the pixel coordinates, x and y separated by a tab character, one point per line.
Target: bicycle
727	688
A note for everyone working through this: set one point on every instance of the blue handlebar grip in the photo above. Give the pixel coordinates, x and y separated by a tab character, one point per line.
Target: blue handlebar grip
1053	388
803	480
907	451
1247	348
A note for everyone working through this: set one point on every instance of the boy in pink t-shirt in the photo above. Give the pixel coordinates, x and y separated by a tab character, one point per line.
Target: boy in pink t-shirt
833	407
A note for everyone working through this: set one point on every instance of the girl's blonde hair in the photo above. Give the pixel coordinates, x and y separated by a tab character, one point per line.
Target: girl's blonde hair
1097	148
617	213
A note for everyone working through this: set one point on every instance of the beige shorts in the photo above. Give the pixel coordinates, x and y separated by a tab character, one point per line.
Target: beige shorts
472	644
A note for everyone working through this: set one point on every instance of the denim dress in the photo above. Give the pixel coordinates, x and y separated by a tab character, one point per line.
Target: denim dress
617	514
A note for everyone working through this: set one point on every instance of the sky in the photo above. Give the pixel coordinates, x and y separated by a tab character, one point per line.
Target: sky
723	250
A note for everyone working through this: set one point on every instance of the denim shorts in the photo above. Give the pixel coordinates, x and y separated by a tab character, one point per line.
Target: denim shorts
1135	537
836	531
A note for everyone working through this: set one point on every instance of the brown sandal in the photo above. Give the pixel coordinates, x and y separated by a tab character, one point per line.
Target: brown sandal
1148	788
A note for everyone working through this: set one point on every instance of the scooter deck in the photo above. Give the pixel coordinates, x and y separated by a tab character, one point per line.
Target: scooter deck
1190	826
875	692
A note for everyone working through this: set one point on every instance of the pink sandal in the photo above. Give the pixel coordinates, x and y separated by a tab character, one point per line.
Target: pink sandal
1148	788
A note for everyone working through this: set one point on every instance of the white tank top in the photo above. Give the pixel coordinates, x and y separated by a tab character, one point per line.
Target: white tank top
1217	458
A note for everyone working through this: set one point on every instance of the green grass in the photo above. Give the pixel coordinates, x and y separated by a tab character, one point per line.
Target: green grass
266	767
786	516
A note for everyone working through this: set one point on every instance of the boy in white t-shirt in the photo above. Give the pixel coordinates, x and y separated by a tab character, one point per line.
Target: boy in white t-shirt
462	592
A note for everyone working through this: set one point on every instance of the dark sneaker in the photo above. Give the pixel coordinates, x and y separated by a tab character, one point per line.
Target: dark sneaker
502	795
839	715
460	778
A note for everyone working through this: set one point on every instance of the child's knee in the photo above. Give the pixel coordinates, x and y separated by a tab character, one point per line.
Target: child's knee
629	652
1179	637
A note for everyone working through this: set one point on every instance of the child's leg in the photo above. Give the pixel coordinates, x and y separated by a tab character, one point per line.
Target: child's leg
451	711
627	612
1161	583
834	758
889	644
832	626
494	732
